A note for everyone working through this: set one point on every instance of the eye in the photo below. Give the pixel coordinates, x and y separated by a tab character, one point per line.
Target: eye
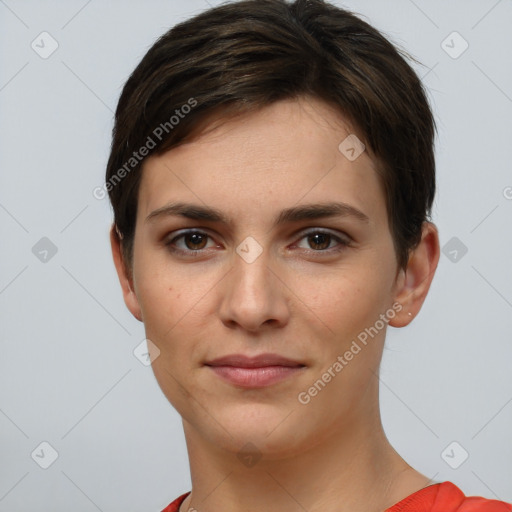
320	241
193	243
189	242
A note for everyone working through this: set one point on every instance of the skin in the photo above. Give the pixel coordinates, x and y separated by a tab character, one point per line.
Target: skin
298	298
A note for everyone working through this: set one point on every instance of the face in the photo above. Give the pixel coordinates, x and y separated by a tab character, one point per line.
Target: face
262	257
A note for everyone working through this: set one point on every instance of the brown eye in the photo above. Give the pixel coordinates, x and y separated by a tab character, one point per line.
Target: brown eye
189	243
319	241
324	242
195	241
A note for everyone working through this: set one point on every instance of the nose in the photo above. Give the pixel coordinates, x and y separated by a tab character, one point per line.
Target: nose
254	296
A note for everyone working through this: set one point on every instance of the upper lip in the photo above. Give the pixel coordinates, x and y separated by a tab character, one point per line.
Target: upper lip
259	361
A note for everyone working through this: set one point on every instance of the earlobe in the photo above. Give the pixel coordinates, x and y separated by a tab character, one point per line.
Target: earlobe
414	283
125	277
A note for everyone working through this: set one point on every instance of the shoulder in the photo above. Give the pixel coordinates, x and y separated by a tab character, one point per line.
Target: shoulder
450	497
447	497
175	505
442	497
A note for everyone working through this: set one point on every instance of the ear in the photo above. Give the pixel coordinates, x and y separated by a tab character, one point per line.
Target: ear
412	284
124	275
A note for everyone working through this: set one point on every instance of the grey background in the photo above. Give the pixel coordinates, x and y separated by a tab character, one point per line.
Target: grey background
68	373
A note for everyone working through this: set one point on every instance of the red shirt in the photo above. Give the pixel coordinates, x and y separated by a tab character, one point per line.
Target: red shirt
443	497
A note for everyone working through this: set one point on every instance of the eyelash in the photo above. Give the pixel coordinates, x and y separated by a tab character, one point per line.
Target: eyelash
342	243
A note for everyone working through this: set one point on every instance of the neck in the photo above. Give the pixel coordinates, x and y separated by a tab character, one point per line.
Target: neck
354	466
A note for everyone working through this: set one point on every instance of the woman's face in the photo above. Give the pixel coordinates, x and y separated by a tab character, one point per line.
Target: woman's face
267	280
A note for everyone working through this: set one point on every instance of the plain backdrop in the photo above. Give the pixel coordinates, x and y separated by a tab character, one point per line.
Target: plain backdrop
69	375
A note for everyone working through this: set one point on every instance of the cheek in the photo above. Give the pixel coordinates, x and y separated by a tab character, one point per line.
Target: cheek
173	302
159	288
169	305
346	301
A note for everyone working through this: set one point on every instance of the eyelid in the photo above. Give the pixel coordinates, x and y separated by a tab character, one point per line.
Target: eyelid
343	241
336	234
175	235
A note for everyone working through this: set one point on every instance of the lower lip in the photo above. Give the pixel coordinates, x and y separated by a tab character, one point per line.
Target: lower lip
256	377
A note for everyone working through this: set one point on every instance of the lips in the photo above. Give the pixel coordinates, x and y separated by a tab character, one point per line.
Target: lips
260	361
254	372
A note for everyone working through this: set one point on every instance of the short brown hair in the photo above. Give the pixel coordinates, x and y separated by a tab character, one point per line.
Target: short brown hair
244	55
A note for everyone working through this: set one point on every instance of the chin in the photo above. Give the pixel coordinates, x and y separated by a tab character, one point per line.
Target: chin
268	430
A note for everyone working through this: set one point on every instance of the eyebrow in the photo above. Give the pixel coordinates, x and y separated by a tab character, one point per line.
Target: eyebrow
289	215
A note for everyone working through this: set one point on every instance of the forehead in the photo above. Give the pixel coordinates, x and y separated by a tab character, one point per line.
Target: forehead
286	153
